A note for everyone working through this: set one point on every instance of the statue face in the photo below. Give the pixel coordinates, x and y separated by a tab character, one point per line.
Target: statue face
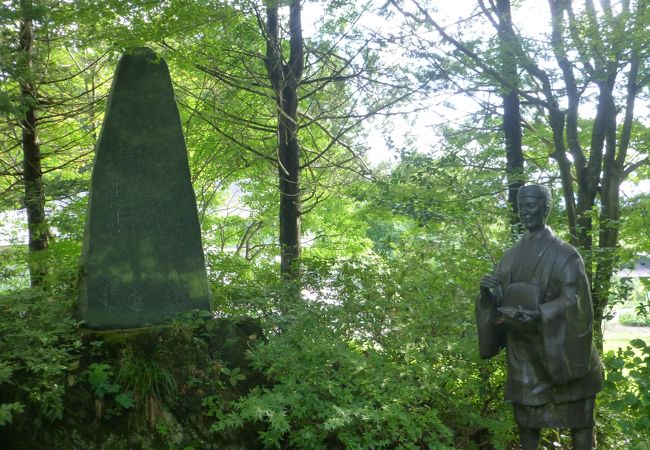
532	212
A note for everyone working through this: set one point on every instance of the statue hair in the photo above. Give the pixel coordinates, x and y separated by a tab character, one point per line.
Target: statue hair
539	191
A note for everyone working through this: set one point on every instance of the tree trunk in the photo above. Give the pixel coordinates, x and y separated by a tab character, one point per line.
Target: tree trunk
285	79
511	114
32	171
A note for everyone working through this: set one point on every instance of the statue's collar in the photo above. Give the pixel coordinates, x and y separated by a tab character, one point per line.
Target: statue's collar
545	232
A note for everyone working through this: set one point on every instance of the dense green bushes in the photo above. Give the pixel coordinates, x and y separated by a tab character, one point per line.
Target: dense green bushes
380	354
375	359
38	346
624	404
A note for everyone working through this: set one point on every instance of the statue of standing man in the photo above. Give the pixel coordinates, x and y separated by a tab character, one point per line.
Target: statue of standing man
537	305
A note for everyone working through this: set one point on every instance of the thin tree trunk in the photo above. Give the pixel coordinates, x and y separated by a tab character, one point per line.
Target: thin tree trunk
285	79
32	171
511	113
587	185
610	215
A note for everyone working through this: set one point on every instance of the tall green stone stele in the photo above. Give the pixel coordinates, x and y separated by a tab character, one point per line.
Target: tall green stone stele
142	261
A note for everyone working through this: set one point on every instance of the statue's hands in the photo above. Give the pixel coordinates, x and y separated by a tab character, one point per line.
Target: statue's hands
490	287
518	318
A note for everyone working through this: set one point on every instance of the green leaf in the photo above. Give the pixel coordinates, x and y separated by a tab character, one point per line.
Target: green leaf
7	411
125	400
98	375
5	372
638	343
616	363
614	377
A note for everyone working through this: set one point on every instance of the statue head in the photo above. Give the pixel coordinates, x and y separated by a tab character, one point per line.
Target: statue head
534	204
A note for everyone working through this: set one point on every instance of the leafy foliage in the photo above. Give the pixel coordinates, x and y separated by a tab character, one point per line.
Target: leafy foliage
8	409
99	376
626	398
40	346
373	360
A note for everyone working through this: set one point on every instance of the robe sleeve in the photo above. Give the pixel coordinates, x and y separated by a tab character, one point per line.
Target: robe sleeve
491	337
567	324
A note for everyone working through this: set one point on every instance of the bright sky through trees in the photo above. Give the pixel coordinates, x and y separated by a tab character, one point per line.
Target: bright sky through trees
418	128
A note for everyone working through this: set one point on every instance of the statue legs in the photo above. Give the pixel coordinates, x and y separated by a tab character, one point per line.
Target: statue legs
529	438
582	438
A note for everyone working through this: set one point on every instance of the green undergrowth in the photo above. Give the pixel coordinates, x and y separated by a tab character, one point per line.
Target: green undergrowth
372	359
624	404
63	387
39	346
634	319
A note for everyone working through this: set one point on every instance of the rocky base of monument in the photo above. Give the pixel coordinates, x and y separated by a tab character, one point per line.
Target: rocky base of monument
150	388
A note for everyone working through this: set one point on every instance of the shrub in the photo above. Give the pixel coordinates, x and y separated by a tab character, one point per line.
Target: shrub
374	359
633	319
624	412
38	345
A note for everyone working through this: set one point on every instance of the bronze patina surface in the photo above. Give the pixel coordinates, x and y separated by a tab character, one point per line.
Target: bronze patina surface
537	305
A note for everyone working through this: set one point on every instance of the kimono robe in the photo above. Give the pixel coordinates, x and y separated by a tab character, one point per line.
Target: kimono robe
554	371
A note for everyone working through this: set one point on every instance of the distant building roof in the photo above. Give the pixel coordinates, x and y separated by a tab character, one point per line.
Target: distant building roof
639	269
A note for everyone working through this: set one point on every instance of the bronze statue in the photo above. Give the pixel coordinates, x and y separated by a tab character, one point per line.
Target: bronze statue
537	305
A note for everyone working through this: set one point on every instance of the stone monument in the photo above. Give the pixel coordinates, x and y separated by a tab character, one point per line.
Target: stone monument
537	306
142	261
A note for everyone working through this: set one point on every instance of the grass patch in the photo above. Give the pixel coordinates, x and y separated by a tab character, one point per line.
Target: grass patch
620	337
